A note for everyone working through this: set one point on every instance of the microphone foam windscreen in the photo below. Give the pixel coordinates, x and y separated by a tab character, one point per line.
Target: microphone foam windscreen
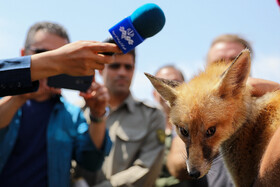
148	20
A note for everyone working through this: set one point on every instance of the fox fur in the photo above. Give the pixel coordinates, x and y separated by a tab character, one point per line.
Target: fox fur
214	113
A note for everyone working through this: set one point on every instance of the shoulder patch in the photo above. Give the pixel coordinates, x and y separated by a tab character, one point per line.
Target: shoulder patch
160	136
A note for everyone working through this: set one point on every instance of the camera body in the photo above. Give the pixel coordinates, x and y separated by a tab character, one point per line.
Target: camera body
81	83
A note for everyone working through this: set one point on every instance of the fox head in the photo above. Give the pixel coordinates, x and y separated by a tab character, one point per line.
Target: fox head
208	109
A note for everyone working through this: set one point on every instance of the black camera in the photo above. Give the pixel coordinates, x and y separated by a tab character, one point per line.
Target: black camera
81	83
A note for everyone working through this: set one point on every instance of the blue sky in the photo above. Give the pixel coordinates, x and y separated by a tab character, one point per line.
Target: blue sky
190	27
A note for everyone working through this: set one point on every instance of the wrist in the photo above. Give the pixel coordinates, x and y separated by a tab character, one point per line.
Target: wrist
20	99
98	119
54	62
46	64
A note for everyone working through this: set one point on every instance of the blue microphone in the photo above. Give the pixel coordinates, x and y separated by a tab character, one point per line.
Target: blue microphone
145	22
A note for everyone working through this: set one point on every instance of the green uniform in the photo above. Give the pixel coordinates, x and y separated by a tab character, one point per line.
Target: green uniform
137	132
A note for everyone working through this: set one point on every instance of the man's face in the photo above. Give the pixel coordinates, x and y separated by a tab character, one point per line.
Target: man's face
43	41
117	76
224	51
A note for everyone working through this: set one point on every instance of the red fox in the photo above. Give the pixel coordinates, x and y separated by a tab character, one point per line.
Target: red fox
214	113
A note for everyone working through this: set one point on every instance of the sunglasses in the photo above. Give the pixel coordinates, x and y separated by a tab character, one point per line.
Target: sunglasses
36	51
116	66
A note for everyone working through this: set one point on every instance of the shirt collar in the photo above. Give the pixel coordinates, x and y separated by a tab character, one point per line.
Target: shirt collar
129	103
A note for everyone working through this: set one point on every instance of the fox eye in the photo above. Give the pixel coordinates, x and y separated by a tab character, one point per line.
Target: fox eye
210	131
184	132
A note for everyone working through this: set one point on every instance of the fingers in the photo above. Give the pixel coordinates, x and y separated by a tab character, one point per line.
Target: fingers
101	94
98	64
99	54
96	91
83	57
104	47
92	58
100	48
96	98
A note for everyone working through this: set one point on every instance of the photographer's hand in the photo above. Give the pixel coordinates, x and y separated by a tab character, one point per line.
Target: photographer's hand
97	98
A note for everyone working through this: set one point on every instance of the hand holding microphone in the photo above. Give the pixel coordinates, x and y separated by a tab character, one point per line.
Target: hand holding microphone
145	22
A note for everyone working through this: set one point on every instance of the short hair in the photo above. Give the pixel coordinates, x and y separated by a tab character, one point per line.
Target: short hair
170	66
49	27
232	38
131	52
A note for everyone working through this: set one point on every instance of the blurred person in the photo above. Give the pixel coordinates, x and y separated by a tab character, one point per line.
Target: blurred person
227	47
40	132
20	75
135	128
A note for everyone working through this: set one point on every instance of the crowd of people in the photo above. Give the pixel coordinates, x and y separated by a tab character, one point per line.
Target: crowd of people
114	139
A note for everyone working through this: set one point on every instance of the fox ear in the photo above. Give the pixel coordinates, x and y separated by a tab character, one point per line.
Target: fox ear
233	80
164	87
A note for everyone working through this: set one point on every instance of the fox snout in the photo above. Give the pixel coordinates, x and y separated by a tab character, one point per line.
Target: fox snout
197	168
200	156
195	174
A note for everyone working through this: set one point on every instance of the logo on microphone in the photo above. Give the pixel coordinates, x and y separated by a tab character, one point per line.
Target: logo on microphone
127	34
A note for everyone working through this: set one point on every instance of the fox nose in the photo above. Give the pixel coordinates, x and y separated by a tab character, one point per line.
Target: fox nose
194	174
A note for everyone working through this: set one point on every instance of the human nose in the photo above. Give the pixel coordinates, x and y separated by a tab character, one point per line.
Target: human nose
122	70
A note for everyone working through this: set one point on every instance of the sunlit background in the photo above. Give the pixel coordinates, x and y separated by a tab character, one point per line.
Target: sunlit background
184	41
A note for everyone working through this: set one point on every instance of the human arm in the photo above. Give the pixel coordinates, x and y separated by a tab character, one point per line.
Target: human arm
268	174
97	99
87	155
95	144
8	107
19	75
261	86
15	76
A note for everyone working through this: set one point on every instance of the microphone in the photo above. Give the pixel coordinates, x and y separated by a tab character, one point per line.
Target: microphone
144	22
